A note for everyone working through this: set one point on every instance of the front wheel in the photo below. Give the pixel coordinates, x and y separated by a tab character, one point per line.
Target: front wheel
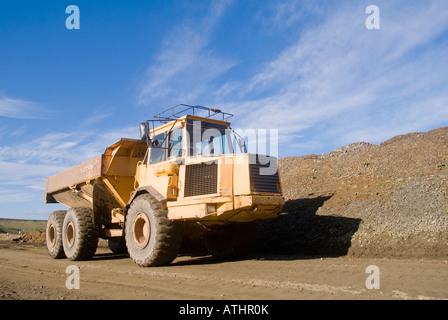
151	238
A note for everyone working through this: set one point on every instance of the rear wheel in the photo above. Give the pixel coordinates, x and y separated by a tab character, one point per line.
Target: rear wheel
79	234
53	234
151	238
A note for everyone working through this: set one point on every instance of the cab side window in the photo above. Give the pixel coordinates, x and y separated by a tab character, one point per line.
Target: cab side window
175	143
157	149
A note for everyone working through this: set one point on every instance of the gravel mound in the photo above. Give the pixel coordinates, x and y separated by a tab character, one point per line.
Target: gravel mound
387	200
35	237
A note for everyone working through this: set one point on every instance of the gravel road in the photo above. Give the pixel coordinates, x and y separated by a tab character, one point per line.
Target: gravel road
27	272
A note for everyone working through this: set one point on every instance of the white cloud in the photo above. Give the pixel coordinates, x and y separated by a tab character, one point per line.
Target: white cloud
346	81
25	166
284	16
186	66
26	175
19	108
18	131
65	148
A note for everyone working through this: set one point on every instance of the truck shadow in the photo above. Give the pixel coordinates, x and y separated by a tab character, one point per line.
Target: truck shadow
299	232
110	256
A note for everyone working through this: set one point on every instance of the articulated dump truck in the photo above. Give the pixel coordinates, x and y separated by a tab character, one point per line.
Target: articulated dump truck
188	177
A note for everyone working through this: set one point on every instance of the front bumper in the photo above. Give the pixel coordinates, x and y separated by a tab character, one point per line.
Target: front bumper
242	208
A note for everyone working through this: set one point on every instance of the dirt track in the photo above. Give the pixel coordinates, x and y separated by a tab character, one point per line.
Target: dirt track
27	272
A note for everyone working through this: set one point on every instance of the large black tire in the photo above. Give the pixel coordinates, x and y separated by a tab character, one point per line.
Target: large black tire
231	242
151	238
79	234
53	234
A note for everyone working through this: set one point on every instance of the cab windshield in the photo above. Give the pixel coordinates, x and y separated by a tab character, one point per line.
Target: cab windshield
211	139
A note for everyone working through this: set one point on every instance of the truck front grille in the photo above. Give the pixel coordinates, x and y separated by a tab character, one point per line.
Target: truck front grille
201	179
264	177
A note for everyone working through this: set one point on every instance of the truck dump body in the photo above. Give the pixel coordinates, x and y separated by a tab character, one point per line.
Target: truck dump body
111	173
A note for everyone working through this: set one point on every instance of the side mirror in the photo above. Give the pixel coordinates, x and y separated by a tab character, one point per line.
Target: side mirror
144	132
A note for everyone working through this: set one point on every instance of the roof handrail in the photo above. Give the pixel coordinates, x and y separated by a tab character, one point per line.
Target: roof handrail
172	114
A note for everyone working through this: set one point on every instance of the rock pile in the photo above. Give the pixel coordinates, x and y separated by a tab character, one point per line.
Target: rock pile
366	200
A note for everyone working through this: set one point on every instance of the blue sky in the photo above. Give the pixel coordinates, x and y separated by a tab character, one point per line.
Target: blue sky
310	69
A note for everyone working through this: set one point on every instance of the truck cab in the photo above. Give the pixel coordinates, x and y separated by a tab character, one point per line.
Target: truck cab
202	168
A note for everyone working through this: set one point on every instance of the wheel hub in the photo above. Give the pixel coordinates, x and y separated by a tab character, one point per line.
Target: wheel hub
141	230
52	235
70	234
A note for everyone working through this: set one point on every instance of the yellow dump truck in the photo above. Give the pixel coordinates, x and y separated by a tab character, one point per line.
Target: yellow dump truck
183	178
